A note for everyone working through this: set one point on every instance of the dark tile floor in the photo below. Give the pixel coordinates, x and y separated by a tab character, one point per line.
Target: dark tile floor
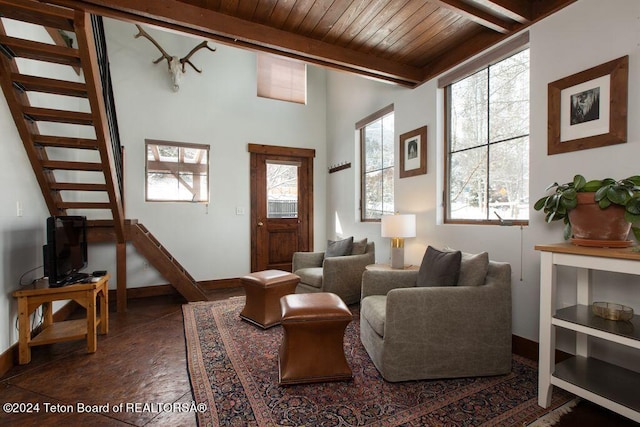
141	361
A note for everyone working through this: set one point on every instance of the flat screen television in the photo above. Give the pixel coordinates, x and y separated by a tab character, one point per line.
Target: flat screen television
66	250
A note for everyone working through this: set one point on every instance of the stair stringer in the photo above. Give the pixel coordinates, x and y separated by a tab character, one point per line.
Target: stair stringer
160	258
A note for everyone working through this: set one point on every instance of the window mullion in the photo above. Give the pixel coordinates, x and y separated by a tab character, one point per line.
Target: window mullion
488	177
382	164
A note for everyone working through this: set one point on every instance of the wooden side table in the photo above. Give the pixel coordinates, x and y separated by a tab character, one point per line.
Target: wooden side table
604	383
88	295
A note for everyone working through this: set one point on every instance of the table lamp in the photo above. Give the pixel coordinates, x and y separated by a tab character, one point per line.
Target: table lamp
397	227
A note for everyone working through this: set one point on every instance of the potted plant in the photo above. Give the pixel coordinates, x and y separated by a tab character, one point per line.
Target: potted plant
597	212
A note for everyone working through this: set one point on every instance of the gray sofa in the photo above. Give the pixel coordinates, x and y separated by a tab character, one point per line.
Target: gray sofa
415	333
340	275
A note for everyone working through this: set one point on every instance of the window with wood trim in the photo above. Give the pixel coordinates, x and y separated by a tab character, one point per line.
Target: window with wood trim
487	143
177	172
377	164
281	78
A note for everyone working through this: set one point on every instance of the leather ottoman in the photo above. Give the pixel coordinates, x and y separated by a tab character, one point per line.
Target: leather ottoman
263	291
312	342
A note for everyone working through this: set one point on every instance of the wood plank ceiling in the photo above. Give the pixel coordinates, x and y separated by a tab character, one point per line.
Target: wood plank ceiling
403	41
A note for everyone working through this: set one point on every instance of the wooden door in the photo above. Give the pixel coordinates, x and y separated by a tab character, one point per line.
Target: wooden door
281	205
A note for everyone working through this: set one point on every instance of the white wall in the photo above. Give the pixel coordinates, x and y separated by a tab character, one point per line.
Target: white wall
218	107
581	36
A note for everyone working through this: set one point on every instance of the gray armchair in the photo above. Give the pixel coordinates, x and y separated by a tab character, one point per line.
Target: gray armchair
341	275
415	333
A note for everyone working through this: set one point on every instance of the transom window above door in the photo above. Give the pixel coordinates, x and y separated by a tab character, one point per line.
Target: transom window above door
177	172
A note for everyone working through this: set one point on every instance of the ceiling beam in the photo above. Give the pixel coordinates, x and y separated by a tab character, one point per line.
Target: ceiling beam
477	15
461	53
518	10
486	39
238	32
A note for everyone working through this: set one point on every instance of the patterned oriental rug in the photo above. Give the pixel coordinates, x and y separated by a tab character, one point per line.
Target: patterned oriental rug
233	367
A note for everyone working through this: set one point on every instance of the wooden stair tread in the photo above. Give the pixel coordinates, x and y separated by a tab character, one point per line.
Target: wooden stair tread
65	142
106	222
58	116
84	205
41	14
41	51
77	166
76	186
99	223
43	84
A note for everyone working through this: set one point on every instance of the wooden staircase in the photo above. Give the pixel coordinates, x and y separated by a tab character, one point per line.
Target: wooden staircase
67	193
79	169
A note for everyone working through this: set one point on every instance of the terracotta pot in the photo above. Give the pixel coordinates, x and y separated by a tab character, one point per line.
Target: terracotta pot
593	226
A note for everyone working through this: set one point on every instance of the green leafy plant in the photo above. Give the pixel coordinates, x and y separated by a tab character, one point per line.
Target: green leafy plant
608	191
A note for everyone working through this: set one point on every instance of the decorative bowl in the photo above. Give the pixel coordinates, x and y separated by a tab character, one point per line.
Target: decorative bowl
612	311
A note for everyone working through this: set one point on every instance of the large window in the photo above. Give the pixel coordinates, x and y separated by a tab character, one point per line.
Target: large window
177	172
376	145
487	160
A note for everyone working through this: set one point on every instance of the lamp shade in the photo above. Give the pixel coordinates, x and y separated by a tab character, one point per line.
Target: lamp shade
398	225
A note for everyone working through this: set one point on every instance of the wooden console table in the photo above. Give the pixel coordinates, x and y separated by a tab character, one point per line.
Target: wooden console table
606	384
88	295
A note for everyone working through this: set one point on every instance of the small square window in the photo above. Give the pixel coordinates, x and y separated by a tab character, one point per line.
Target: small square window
177	172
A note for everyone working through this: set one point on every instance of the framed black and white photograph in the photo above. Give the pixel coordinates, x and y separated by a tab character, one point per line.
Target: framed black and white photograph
413	153
585	106
589	109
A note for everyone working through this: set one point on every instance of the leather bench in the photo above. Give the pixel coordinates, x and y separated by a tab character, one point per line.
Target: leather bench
313	334
263	291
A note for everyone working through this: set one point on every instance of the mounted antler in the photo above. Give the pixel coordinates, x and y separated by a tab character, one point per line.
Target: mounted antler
176	65
185	60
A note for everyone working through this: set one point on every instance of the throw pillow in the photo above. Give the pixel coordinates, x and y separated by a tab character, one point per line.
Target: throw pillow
359	247
473	268
339	247
439	268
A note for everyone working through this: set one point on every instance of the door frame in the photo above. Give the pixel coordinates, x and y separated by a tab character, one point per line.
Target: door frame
305	195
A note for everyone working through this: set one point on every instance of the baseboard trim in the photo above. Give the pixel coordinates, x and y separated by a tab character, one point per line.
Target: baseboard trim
524	347
221	283
531	350
7	359
144	292
160	290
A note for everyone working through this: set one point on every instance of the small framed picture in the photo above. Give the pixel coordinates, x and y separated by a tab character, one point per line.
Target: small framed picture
589	109
413	153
